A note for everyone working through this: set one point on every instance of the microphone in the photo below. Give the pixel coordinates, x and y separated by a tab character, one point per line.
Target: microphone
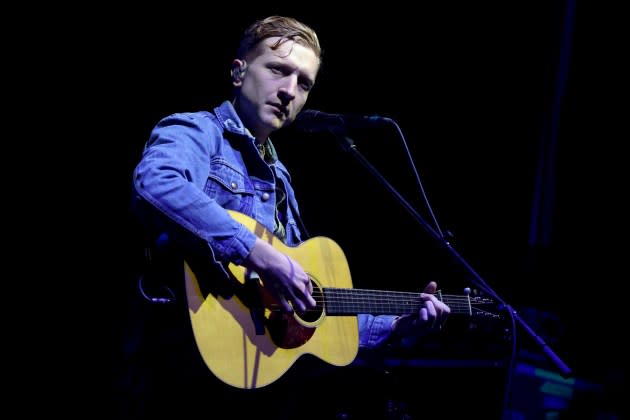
312	121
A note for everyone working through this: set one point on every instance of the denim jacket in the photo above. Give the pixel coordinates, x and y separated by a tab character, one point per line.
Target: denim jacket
196	165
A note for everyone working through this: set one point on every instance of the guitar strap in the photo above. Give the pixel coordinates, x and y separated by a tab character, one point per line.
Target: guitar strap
298	218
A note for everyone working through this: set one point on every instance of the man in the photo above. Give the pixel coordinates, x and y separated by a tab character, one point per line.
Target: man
194	168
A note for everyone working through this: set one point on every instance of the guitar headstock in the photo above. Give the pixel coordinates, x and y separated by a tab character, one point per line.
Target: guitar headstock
472	304
484	307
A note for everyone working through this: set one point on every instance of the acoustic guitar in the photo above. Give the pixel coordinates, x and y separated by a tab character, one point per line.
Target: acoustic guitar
247	341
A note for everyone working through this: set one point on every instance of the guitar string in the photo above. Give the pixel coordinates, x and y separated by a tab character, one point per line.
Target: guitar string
456	308
377	301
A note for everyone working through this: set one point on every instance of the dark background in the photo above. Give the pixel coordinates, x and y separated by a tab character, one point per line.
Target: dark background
485	96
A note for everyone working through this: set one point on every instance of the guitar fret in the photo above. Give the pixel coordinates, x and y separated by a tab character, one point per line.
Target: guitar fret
354	301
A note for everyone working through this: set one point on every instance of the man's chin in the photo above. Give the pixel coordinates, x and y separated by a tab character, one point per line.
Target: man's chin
276	123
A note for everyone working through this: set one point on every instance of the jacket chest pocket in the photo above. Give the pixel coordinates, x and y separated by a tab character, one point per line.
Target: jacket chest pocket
229	187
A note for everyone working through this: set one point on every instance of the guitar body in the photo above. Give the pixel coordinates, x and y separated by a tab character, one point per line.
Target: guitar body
246	342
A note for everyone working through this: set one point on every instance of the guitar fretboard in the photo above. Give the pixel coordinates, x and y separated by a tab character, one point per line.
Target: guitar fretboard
354	301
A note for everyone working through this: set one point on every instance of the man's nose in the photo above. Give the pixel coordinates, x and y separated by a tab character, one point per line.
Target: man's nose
288	89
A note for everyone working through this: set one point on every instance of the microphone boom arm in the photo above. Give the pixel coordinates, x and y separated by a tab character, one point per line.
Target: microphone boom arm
348	145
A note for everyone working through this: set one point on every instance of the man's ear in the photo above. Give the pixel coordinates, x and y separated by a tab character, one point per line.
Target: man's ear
239	67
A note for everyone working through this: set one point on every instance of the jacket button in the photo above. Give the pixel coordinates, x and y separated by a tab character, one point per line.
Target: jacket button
265	196
233	185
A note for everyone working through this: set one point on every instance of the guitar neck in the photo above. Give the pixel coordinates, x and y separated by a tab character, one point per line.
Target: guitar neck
354	301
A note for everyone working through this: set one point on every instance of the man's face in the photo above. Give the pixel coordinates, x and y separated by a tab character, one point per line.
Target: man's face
276	85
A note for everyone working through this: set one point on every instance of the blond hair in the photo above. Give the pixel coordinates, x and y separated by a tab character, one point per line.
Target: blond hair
286	28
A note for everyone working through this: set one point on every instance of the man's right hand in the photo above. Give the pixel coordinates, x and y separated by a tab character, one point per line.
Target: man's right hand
282	276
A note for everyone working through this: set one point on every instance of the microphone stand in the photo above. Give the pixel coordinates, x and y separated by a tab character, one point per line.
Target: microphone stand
348	145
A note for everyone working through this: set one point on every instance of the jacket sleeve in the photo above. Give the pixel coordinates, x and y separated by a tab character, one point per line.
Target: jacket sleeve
374	330
171	175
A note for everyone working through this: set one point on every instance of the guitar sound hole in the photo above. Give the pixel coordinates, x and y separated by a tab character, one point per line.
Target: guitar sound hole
314	314
293	330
